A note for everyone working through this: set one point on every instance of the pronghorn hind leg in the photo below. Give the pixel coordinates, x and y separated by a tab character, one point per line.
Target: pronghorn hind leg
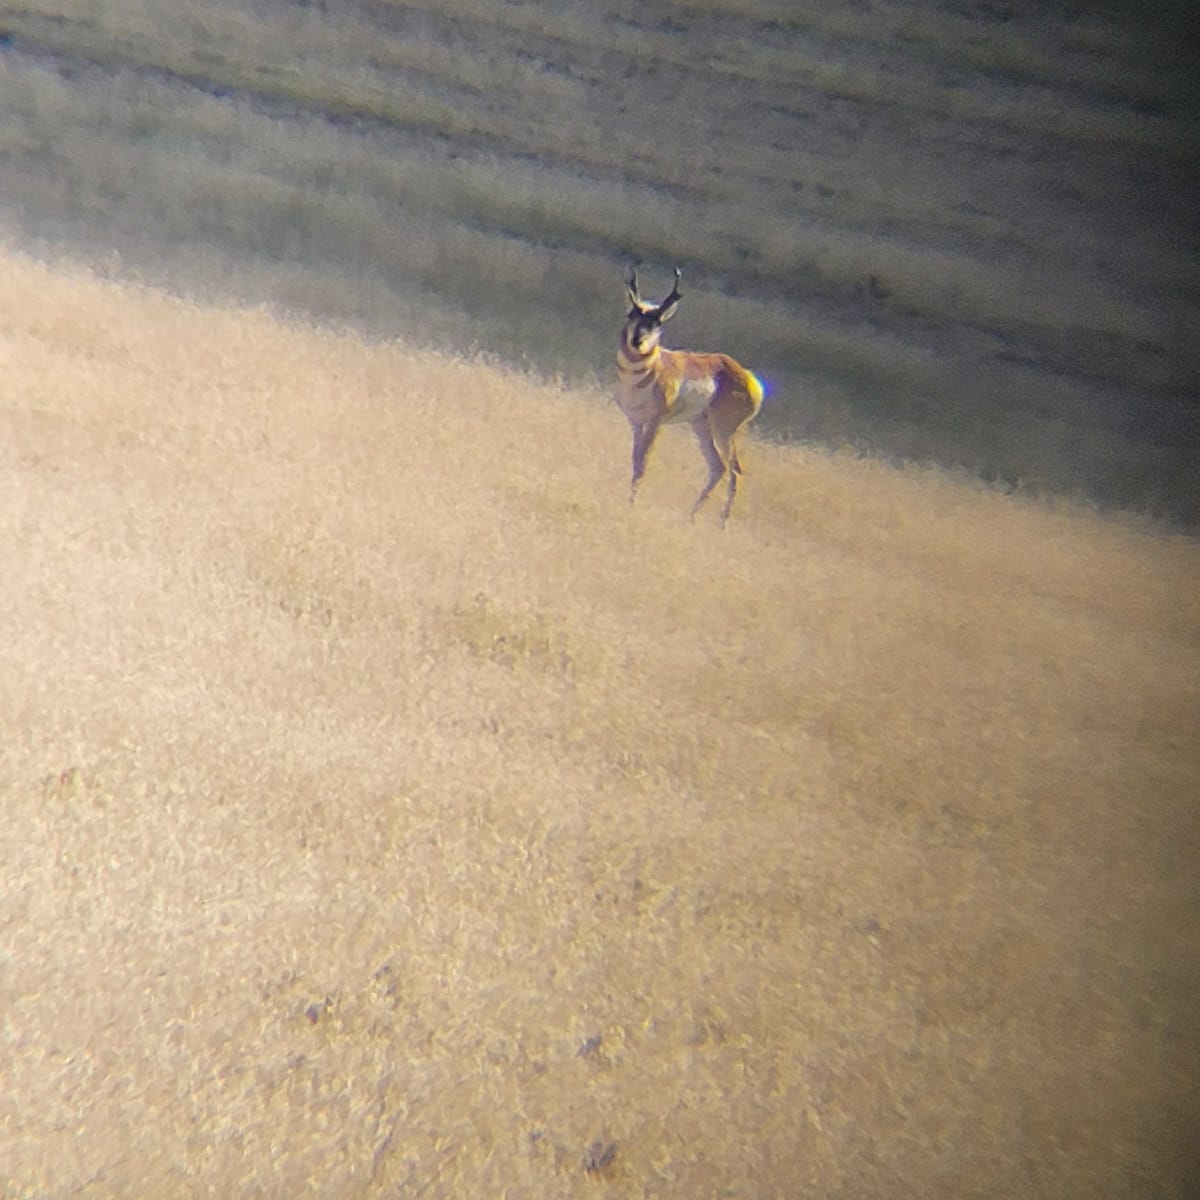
716	460
727	424
735	469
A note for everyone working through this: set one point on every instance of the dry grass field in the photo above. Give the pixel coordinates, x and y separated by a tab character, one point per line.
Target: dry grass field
389	810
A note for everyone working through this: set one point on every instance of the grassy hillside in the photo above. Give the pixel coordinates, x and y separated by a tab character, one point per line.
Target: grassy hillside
390	810
960	232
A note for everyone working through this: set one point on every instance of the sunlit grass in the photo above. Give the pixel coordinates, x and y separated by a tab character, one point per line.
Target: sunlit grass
391	809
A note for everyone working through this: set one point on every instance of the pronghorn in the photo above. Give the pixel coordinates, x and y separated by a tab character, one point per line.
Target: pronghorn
655	385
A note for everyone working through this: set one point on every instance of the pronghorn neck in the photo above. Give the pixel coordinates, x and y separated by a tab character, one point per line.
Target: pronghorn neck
638	369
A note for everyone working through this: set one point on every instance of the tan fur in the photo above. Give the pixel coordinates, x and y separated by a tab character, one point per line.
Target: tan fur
716	394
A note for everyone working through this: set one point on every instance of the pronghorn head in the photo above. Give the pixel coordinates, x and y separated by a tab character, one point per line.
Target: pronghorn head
644	325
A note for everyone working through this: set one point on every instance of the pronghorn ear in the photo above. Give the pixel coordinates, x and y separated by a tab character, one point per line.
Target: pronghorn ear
667	311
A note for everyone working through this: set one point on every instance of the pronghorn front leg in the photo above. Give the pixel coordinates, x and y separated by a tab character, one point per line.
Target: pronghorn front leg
716	463
644	434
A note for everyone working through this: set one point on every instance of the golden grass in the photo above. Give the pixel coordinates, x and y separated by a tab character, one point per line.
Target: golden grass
389	810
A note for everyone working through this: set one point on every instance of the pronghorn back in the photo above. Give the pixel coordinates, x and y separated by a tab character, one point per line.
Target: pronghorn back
657	386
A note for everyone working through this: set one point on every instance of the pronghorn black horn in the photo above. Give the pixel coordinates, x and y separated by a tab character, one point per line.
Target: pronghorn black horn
674	290
631	281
